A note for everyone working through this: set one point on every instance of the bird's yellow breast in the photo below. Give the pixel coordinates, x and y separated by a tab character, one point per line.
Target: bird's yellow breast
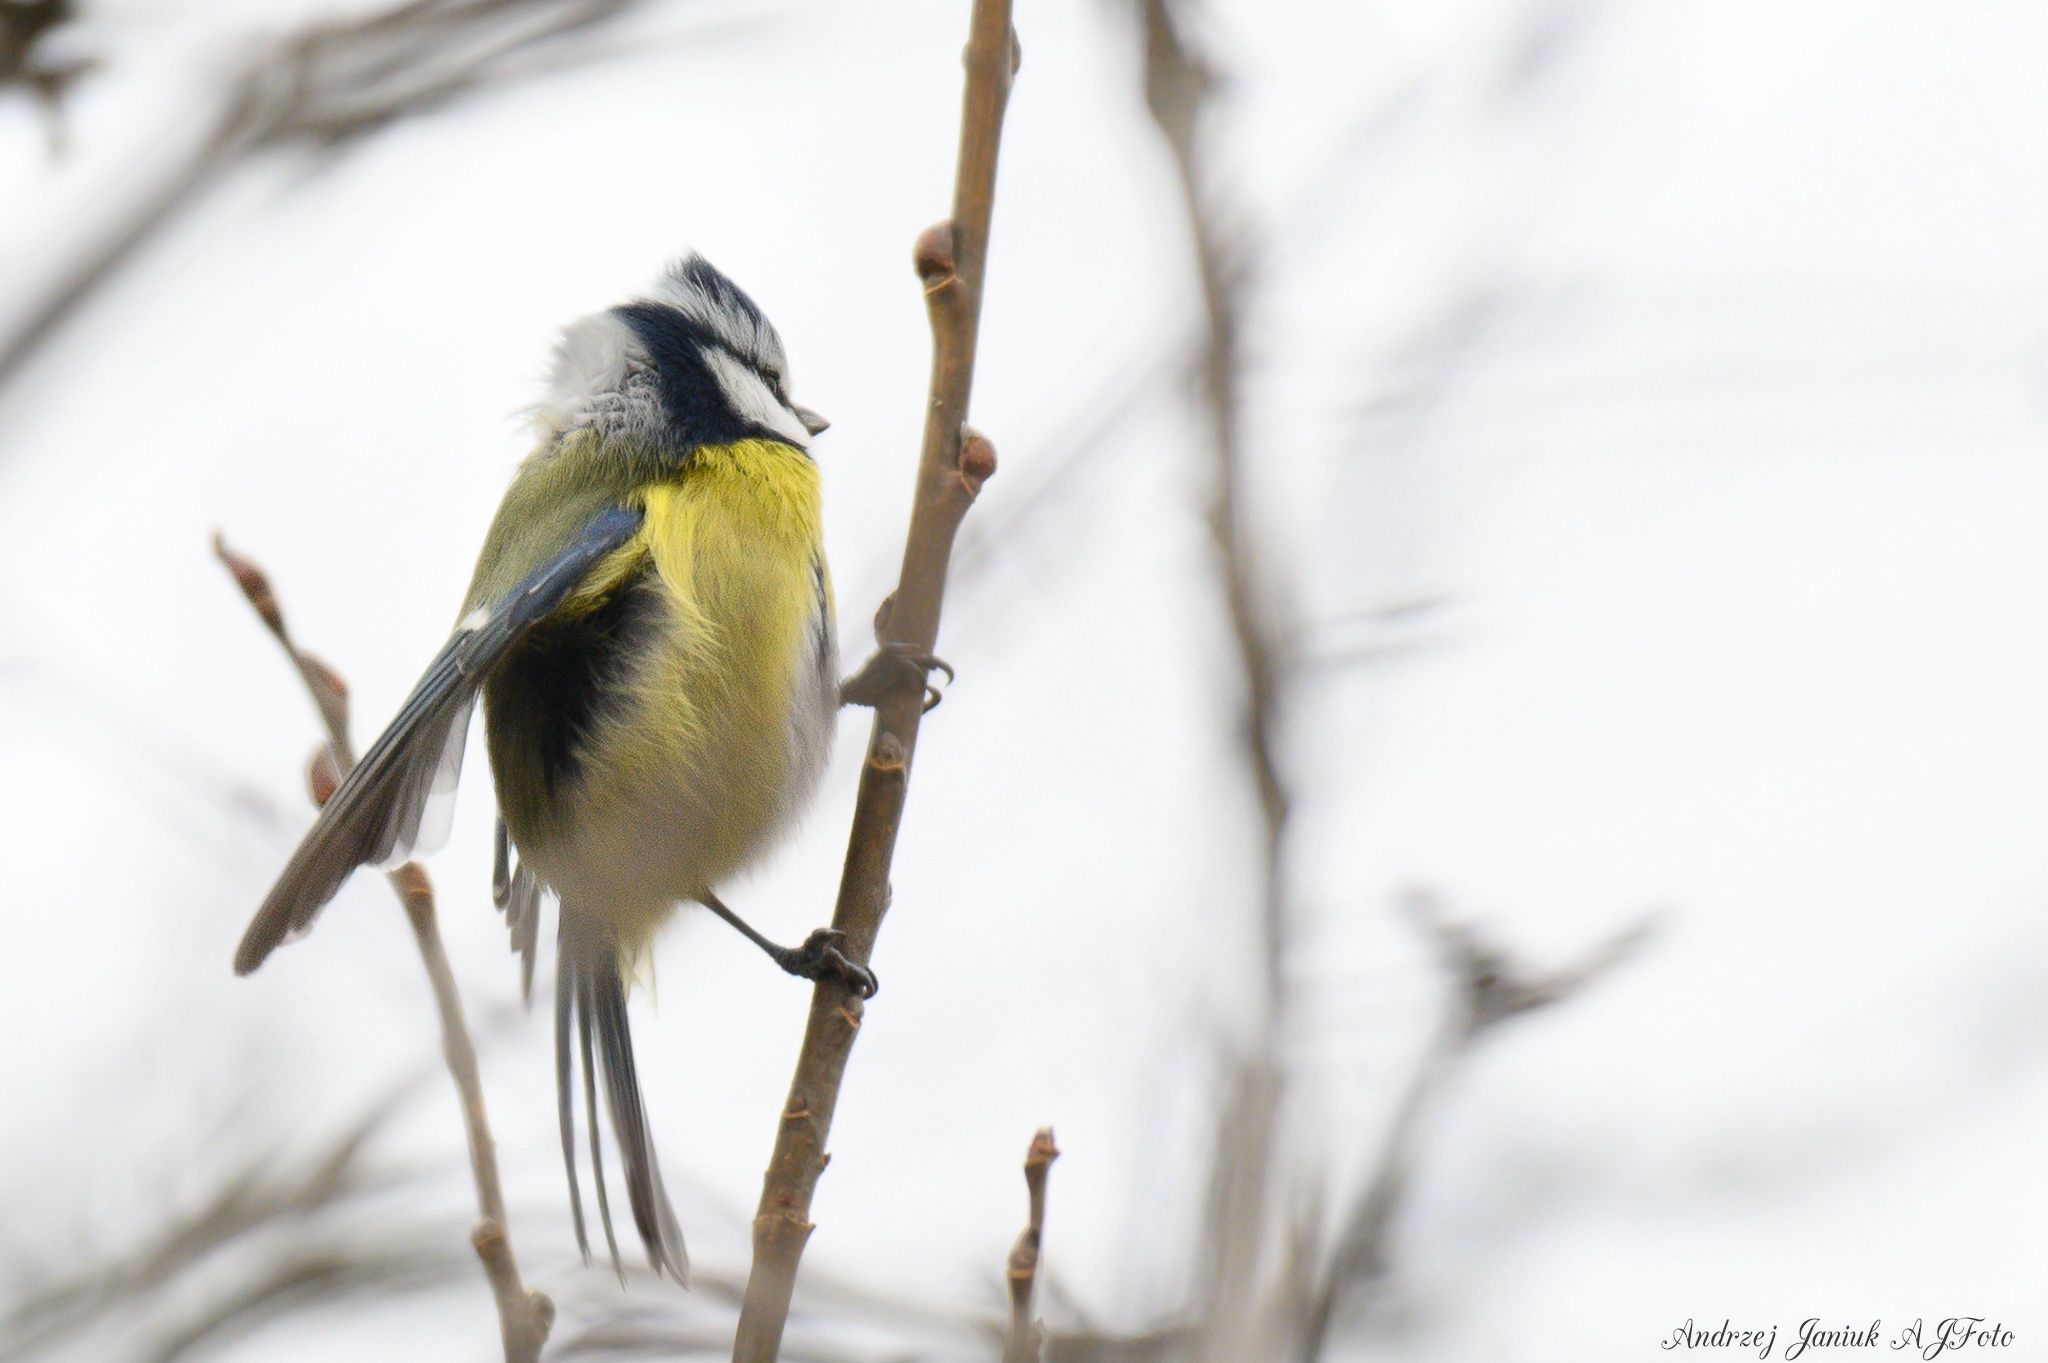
708	747
736	538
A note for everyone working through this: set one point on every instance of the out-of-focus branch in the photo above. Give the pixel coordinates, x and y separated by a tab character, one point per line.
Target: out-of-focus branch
256	1197
623	1338
954	462
834	1320
524	1315
327	84
23	24
1492	986
1026	1341
296	1281
1178	88
26	59
1488	986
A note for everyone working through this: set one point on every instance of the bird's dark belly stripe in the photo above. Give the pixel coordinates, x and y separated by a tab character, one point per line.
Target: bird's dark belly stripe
543	701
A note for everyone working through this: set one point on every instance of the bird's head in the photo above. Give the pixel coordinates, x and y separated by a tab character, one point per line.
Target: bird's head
695	363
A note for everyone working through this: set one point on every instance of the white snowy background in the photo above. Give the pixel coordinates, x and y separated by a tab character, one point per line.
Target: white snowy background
1690	360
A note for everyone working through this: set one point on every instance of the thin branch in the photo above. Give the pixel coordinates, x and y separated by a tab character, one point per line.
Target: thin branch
953	463
1488	988
524	1315
23	26
29	29
328	83
1026	1342
846	1320
301	1279
255	1197
1179	89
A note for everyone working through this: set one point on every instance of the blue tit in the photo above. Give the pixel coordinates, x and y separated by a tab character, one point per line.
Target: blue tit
650	630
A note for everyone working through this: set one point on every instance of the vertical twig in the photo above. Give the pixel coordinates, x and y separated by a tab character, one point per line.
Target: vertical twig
524	1316
953	464
1179	86
1026	1342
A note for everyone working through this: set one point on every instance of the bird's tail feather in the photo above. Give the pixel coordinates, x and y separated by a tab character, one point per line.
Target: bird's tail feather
590	983
516	891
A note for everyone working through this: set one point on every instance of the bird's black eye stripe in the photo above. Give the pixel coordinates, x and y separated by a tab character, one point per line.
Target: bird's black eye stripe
658	323
679	347
759	368
768	373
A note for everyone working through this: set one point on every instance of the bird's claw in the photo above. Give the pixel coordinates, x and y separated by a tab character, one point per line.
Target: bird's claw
892	665
820	958
930	662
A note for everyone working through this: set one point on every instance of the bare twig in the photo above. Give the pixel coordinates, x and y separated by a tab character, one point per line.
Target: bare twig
953	464
296	1281
1488	988
1179	86
620	1339
327	83
1026	1341
23	25
847	1320
26	60
524	1315
254	1198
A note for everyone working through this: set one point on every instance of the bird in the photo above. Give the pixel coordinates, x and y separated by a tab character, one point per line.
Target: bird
650	631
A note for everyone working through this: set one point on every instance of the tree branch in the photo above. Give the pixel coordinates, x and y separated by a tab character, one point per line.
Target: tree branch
1179	88
953	463
328	83
1026	1343
524	1316
1488	988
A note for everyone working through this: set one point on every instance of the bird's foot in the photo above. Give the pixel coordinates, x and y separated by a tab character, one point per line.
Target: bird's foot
820	958
890	666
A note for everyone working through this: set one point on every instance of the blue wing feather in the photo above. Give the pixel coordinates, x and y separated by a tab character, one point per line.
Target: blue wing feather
376	814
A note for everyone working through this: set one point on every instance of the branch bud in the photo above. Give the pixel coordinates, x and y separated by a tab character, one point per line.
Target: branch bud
977	458
933	254
255	586
1042	1152
323	776
416	891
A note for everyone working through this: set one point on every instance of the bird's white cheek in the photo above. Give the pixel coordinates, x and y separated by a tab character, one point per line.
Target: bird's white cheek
750	398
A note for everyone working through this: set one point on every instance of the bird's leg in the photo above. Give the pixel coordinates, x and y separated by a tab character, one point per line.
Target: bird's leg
890	666
818	958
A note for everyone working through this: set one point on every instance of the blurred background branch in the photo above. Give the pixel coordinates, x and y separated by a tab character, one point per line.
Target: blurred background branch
1487	988
1179	88
275	1235
326	85
31	56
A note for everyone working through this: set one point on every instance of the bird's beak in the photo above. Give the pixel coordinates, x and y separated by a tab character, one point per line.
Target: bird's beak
813	423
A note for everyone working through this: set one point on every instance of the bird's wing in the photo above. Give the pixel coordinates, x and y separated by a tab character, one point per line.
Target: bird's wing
376	815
